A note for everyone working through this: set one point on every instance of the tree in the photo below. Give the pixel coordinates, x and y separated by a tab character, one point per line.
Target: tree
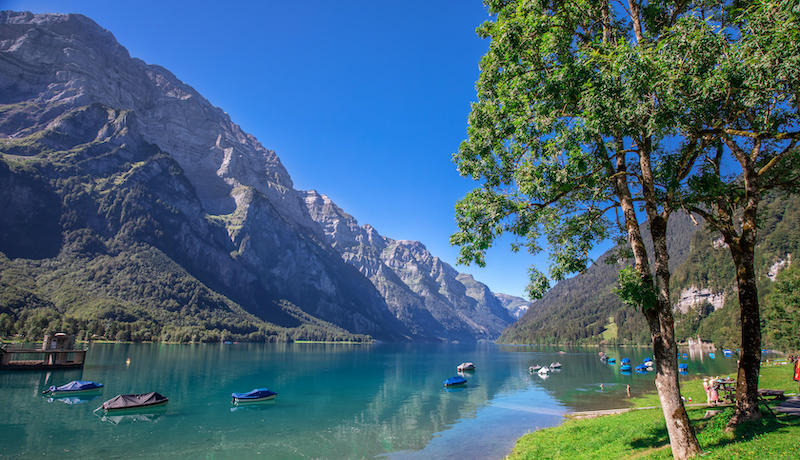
740	117
568	137
782	308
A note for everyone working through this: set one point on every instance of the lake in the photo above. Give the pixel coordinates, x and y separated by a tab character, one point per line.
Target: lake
334	400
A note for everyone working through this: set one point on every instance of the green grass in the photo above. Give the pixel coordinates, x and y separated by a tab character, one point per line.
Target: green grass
643	434
610	332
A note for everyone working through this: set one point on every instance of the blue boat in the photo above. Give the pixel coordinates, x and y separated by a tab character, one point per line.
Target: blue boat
74	387
625	361
257	395
712	355
612	361
455	381
683	367
683	356
647	359
727	352
625	368
641	367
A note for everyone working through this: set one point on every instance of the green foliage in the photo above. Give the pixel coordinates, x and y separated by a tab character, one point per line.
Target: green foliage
635	291
781	311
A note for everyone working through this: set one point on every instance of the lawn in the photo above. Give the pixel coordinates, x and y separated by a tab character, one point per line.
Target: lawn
643	434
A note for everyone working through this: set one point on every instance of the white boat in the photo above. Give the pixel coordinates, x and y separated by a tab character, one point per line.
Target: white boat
555	365
534	368
543	370
465	367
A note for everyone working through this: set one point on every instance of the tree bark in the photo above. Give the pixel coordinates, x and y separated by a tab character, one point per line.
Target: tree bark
742	249
659	318
682	437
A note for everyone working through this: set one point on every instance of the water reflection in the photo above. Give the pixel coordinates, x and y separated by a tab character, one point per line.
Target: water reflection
336	401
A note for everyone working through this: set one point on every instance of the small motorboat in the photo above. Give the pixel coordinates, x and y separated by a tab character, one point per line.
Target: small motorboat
555	365
534	368
455	381
683	356
625	367
136	401
257	395
543	370
625	361
73	387
612	361
465	367
683	366
641	368
648	362
712	355
727	352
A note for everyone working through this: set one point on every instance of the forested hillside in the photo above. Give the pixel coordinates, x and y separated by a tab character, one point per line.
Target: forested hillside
584	309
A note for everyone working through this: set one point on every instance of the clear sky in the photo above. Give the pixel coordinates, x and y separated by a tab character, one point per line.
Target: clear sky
363	100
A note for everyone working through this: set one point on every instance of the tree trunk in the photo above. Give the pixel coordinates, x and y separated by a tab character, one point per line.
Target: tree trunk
682	437
750	355
659	319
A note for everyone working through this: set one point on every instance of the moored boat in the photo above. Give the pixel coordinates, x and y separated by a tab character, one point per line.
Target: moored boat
74	387
612	361
534	368
625	367
555	365
455	381
134	402
544	370
625	361
256	395
465	367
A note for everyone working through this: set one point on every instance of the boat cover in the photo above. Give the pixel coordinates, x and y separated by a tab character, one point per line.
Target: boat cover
131	401
625	367
683	366
455	381
641	367
625	360
646	359
258	393
76	385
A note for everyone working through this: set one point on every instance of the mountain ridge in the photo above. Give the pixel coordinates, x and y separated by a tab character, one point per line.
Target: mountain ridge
131	153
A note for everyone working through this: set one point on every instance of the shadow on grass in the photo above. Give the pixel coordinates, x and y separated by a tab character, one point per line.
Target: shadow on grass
654	438
715	435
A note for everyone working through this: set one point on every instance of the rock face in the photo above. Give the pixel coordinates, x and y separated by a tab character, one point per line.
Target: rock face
118	147
517	306
692	297
426	294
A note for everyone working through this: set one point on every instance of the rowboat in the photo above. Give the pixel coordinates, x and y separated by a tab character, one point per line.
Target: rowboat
74	387
133	402
455	381
257	395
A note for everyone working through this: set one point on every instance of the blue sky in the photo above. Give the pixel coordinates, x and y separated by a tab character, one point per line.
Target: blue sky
364	101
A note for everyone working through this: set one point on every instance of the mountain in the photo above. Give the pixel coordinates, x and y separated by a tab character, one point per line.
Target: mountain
584	308
132	204
703	287
517	306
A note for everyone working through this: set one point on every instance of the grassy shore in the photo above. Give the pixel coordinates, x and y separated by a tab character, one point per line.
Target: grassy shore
643	434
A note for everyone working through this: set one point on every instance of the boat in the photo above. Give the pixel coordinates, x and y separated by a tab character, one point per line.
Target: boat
73	387
534	368
465	367
625	368
683	356
641	368
134	401
612	361
712	355
543	370
683	368
257	395
555	365
455	381
648	363
625	361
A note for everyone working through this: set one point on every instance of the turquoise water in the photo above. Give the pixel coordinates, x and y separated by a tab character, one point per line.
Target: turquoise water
334	401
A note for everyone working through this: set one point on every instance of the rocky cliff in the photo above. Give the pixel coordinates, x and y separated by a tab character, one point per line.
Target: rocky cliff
107	157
